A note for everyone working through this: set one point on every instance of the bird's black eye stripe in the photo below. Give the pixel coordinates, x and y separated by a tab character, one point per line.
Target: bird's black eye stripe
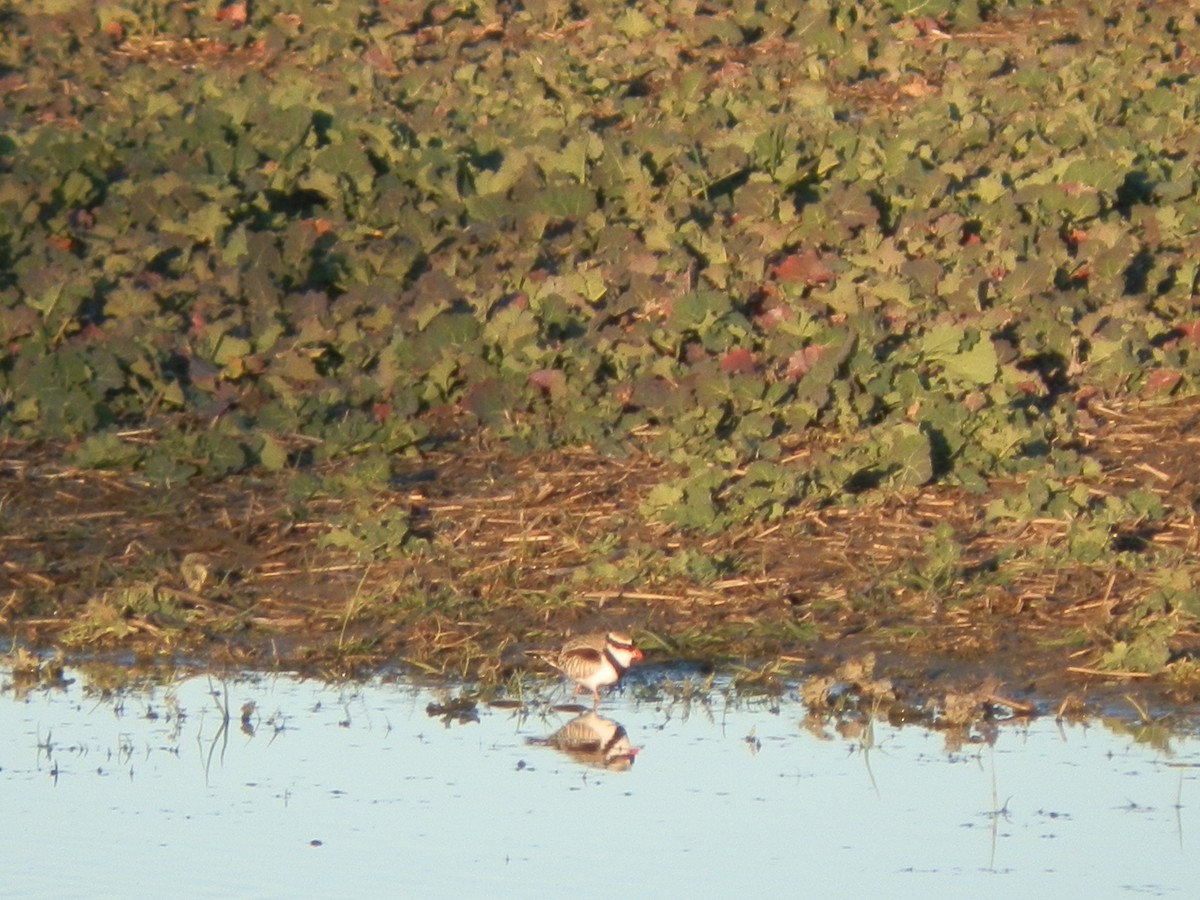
620	645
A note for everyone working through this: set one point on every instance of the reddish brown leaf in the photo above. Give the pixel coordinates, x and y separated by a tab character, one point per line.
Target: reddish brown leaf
1161	381
1191	331
773	316
518	300
739	361
928	26
549	381
381	62
803	268
235	14
801	362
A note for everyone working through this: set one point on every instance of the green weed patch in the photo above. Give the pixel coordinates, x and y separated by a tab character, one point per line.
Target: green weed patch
716	232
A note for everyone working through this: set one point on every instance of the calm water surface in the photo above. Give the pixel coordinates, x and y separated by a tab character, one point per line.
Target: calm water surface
357	791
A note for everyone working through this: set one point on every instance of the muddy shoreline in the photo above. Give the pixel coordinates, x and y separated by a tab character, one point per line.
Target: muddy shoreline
449	565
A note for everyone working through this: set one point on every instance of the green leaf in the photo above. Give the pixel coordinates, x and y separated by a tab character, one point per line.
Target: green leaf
231	350
977	365
164	471
500	182
907	456
204	224
107	450
566	201
272	454
634	23
942	342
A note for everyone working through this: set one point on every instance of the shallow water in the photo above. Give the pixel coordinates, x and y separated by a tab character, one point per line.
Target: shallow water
357	791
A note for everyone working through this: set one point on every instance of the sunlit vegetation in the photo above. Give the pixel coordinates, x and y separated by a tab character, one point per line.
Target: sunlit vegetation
788	257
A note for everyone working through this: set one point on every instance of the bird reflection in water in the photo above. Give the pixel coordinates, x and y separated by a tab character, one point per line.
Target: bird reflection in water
593	740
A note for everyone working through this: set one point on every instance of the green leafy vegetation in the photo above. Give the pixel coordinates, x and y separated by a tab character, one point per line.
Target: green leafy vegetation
793	255
713	231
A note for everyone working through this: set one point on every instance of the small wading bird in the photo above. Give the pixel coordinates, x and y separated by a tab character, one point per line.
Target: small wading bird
593	661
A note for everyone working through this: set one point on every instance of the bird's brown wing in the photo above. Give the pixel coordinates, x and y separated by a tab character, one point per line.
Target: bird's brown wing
572	657
582	656
595	642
